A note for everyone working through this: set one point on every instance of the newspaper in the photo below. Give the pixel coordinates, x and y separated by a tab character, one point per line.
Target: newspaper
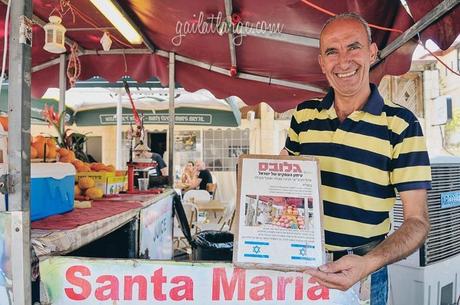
279	213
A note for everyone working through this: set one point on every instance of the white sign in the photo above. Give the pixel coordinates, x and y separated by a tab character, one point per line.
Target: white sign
156	224
71	281
442	108
279	208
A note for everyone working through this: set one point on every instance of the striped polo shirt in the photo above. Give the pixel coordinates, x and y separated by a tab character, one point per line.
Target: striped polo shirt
362	161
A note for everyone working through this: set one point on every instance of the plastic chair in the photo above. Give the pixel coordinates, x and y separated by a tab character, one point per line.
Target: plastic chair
211	189
196	195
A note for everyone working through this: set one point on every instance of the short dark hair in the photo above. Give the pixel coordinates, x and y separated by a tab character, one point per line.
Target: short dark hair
353	16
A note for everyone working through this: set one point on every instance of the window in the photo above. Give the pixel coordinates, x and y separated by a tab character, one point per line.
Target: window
221	148
187	147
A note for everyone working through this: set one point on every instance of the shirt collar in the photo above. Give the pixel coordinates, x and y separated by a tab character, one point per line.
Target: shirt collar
374	104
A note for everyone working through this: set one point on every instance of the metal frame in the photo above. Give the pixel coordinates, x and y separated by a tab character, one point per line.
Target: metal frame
432	16
441	9
172	117
231	46
19	146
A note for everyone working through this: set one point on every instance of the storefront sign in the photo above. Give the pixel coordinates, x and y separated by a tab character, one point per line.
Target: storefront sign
110	281
156	224
450	200
186	119
279	208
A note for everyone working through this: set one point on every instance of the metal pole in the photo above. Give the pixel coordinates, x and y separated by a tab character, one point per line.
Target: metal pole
172	112
19	80
62	82
62	86
119	129
433	15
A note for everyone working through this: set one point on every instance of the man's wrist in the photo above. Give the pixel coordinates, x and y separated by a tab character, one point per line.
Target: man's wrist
372	261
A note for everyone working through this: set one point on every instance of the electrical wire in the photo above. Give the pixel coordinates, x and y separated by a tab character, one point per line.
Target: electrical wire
5	44
88	20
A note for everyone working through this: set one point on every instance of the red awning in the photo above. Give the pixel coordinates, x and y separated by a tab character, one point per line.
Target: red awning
280	73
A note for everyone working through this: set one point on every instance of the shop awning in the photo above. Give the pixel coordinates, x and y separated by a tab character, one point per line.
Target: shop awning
93	106
279	69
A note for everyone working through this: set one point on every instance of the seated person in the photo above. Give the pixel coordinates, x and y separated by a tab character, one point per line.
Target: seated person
188	175
203	178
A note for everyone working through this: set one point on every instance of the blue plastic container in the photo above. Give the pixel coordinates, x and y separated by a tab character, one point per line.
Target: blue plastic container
51	189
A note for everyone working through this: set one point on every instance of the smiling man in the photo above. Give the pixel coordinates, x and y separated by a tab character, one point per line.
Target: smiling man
367	148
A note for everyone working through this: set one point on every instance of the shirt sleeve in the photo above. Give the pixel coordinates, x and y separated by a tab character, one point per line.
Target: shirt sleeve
410	165
292	144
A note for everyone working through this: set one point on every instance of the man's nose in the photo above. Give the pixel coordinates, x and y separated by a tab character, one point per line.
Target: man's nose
344	59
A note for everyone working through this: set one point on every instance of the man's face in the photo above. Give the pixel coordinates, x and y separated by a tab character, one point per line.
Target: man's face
198	165
345	57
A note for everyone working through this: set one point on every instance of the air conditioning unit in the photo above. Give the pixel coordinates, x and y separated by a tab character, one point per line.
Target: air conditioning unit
432	274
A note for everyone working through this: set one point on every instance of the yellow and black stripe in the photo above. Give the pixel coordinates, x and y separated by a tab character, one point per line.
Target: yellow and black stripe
362	161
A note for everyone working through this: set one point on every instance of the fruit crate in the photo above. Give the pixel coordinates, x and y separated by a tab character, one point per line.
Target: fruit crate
109	182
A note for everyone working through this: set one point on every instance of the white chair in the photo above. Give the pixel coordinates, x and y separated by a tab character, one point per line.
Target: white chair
196	195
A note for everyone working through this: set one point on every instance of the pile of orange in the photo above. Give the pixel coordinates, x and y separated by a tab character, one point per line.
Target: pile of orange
41	146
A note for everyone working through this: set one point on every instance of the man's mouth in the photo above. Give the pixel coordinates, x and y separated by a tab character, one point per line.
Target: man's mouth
348	74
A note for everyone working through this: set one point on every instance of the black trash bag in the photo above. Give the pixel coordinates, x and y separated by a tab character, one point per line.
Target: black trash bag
213	245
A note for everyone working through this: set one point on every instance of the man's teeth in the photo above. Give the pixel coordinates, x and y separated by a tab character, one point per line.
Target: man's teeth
346	74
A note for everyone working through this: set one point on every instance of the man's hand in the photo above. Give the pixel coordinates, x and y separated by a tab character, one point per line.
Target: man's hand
341	274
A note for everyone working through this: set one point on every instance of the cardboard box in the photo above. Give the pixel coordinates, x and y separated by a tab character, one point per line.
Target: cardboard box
108	182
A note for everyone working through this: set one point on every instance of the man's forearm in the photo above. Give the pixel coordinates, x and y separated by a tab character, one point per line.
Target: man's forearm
404	241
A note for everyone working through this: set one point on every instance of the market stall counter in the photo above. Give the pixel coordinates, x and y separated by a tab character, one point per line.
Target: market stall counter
148	218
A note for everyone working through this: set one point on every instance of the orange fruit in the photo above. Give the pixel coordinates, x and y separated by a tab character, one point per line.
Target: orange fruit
94	193
40	147
51	142
51	152
77	190
40	139
33	152
4	122
77	162
86	183
63	152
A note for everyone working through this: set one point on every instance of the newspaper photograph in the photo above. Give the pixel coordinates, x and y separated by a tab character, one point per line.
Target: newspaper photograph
279	213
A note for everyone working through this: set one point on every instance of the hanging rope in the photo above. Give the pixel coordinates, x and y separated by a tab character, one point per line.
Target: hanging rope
73	66
63	8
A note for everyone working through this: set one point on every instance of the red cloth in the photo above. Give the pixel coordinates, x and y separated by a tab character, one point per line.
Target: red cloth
100	209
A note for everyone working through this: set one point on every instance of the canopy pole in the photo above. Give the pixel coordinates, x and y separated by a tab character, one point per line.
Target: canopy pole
172	113
119	130
20	42
437	12
231	45
62	86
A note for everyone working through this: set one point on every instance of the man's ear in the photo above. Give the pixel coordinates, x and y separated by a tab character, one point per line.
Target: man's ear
321	64
373	50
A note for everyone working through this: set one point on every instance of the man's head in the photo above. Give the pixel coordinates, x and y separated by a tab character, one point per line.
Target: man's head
199	165
346	53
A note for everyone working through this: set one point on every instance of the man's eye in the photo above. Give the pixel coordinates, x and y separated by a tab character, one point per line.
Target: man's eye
331	52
